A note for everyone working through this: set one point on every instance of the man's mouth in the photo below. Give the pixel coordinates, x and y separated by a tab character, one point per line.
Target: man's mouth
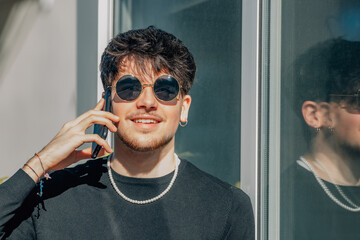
145	121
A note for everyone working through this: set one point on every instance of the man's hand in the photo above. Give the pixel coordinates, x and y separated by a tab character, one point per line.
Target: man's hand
61	151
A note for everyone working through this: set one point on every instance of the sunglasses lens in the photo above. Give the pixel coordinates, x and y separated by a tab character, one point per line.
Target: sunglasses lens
166	88
128	88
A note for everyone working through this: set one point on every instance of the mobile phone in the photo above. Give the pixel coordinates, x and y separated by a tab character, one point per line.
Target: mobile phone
101	130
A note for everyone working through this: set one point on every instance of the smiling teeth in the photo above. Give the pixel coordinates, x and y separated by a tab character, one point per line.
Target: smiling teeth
145	121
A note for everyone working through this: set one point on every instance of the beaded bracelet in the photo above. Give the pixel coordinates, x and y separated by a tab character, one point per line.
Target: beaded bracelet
46	175
40	180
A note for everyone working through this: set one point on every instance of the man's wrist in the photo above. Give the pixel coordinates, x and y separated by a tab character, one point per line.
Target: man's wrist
34	169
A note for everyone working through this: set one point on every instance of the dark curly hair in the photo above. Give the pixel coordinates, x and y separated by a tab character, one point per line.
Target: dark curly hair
330	67
150	45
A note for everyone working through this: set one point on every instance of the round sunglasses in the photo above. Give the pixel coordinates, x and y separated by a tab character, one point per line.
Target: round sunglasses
165	88
351	101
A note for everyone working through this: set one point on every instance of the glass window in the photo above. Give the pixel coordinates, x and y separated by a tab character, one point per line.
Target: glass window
212	32
320	120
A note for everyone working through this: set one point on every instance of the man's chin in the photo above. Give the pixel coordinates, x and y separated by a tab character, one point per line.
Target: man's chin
347	148
351	150
145	145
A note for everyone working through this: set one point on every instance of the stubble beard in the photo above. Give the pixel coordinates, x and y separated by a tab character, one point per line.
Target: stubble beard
139	146
346	148
351	150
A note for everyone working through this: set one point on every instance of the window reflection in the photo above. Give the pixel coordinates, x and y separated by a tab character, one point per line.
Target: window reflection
321	196
320	120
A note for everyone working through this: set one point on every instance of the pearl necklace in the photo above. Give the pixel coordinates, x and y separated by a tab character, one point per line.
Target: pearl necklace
327	191
319	165
142	202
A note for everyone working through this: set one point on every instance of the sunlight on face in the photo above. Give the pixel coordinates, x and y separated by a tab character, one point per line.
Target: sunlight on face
146	123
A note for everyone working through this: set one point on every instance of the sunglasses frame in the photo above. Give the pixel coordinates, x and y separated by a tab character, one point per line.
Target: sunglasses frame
357	95
148	85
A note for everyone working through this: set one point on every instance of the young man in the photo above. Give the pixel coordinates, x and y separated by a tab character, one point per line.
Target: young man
321	196
142	190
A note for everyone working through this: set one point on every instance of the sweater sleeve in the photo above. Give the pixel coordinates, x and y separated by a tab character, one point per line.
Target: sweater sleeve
240	224
14	212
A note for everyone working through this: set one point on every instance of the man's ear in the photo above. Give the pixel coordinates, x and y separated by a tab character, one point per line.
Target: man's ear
186	102
315	114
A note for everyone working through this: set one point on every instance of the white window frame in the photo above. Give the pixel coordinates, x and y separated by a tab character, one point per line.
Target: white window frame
260	113
105	33
250	104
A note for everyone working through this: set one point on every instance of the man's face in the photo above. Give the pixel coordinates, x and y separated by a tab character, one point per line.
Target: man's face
147	124
346	126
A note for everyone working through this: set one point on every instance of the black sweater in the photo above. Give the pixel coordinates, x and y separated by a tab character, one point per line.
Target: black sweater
308	213
80	203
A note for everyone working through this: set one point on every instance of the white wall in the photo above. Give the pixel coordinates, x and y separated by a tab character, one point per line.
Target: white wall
38	91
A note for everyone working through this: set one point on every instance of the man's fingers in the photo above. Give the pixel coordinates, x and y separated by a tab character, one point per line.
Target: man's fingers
96	138
86	153
102	152
94	112
100	105
108	115
86	123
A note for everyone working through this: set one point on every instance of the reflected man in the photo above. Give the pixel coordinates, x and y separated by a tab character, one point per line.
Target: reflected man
322	197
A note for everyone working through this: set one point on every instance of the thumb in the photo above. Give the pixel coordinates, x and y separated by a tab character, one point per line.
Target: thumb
86	153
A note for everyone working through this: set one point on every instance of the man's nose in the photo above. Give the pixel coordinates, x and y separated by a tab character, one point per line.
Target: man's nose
147	99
